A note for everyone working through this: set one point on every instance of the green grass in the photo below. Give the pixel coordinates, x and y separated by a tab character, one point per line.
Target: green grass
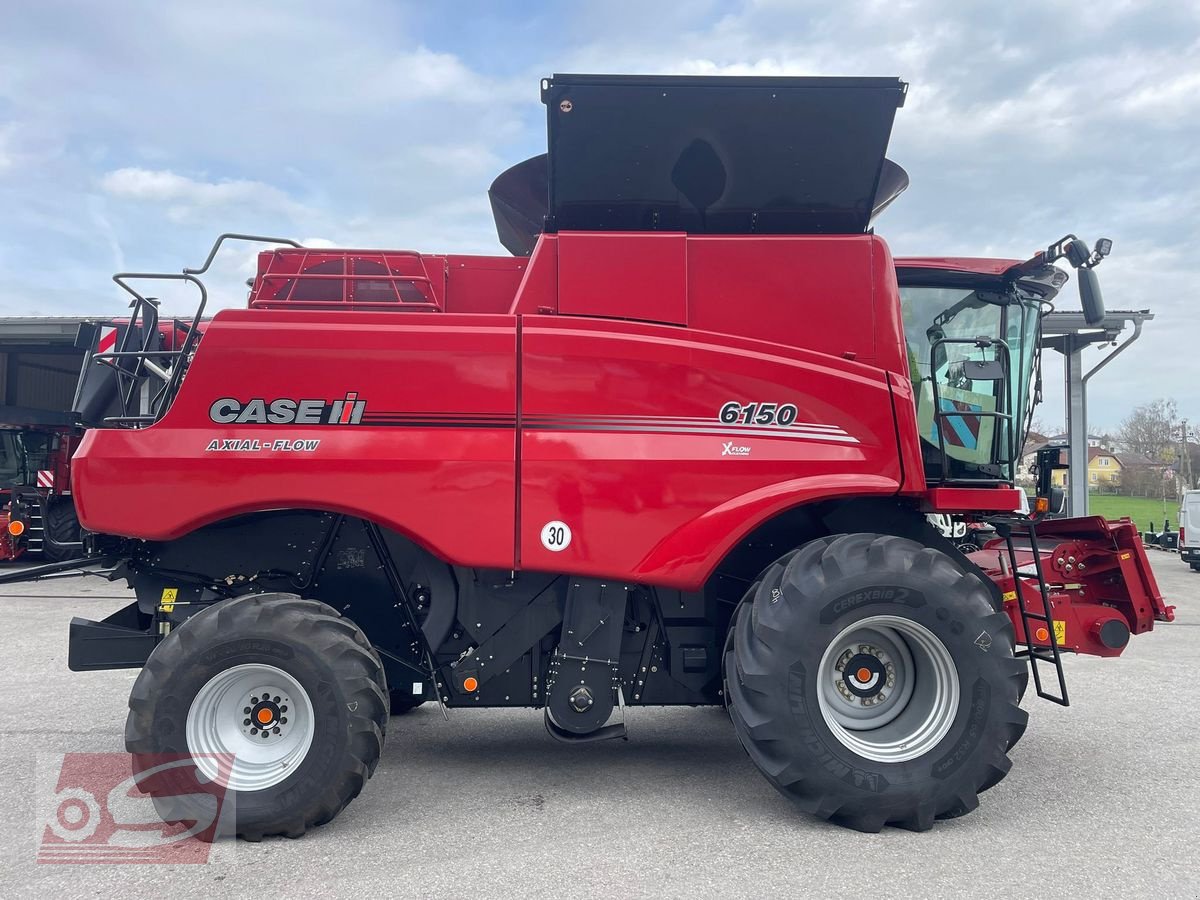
1141	509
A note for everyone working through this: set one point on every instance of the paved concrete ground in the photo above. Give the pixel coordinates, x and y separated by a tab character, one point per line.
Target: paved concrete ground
1103	799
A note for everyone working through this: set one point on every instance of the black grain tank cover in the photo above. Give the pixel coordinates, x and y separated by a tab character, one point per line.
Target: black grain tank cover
716	155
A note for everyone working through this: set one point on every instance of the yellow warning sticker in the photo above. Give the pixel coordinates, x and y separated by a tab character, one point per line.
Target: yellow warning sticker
1060	632
167	603
1126	555
1010	595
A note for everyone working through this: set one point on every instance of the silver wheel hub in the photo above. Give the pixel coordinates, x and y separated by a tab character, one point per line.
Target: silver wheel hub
257	715
888	688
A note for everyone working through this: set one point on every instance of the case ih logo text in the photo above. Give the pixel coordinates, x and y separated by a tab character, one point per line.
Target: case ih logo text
347	411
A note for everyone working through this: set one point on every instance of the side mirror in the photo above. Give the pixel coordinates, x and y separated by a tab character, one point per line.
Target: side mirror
1090	297
983	369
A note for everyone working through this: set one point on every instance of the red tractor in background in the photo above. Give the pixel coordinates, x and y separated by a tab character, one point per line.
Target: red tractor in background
678	449
37	513
37	510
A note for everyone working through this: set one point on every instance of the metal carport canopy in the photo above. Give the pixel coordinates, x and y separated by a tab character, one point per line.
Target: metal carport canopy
1069	334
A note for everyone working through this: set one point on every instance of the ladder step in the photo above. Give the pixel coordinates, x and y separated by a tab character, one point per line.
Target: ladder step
1036	653
1040	657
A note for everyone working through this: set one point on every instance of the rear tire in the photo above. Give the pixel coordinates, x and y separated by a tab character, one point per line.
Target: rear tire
927	725
326	728
60	523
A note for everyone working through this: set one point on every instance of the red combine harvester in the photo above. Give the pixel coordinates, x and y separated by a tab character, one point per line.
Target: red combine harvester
678	449
37	515
37	511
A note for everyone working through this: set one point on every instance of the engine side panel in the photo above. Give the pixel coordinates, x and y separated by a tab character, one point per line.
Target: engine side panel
423	442
622	441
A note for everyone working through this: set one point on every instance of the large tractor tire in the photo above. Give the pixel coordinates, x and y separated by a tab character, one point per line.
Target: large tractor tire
61	524
280	701
872	681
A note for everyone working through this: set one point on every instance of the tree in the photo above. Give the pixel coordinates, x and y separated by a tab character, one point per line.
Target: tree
1039	426
1149	430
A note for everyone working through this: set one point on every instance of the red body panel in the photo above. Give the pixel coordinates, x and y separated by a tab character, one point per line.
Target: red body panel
482	284
970	500
450	488
660	498
478	429
624	276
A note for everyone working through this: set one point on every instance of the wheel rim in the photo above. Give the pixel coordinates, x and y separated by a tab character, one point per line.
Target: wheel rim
258	715
888	689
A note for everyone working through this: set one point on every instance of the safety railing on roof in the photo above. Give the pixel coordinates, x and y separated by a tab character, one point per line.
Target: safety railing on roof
148	366
323	279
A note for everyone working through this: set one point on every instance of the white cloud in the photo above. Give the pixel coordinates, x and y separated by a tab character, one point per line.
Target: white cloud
182	193
6	151
472	158
423	75
185	197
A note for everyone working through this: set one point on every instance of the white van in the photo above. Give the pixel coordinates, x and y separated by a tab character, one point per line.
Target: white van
1189	529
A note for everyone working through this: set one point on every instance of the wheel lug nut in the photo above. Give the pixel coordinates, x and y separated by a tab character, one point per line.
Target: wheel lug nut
253	699
283	709
246	710
253	730
245	721
283	720
275	730
274	699
266	734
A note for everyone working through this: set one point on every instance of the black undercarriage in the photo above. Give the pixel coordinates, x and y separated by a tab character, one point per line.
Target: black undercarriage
581	648
471	637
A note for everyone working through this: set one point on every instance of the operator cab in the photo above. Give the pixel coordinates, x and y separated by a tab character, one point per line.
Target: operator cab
972	328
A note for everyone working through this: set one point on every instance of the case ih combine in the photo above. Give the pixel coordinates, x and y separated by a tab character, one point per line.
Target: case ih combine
678	449
37	514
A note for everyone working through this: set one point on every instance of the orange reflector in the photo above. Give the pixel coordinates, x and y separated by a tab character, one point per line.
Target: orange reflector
16	528
264	715
1042	634
470	684
864	674
1041	505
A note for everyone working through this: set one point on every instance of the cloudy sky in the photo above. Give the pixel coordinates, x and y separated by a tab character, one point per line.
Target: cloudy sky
132	133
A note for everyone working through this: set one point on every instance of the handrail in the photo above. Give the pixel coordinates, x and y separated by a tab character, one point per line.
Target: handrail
231	236
1003	393
145	309
142	356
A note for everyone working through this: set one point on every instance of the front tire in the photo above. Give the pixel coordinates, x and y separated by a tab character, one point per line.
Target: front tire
317	700
872	681
61	524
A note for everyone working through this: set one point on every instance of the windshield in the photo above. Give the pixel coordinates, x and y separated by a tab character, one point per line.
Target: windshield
955	374
12	459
